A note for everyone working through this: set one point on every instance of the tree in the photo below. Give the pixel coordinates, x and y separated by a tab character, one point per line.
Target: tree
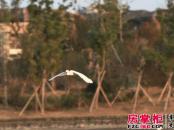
122	7
4	17
41	44
168	47
102	35
162	53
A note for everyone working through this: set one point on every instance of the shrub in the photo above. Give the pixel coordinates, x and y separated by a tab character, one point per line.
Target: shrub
53	103
15	99
69	101
63	102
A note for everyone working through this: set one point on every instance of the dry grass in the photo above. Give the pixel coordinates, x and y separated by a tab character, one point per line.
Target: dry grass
119	108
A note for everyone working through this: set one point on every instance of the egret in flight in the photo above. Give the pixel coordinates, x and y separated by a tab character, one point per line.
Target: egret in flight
71	73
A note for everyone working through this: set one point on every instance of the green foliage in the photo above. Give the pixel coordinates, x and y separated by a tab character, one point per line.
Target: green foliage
167	46
105	29
65	102
152	55
52	102
47	29
69	101
15	99
72	59
5	13
48	46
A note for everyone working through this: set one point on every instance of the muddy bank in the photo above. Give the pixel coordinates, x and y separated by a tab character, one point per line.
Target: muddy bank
64	123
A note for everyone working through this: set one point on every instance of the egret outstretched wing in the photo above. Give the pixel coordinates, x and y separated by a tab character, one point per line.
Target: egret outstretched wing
58	75
72	72
85	78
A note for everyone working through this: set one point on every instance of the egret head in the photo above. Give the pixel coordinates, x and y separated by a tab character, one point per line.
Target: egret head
69	72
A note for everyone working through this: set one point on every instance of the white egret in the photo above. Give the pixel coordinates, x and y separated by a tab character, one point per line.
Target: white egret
71	73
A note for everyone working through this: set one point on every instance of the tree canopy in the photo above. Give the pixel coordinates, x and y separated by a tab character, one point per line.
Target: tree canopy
41	44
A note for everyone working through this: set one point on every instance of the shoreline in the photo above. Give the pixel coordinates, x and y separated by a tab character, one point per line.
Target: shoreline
66	122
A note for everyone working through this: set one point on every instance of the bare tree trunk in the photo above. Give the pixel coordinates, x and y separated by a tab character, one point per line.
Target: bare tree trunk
5	81
97	96
95	99
139	87
121	25
147	95
101	74
168	83
6	95
43	92
136	98
51	88
29	101
23	88
117	95
168	98
53	83
36	104
26	105
68	88
38	100
169	86
116	54
105	97
163	91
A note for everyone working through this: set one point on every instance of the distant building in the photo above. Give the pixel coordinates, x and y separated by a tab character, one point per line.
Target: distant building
9	44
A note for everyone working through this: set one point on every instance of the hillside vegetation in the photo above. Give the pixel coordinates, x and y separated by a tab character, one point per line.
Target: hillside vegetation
121	42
